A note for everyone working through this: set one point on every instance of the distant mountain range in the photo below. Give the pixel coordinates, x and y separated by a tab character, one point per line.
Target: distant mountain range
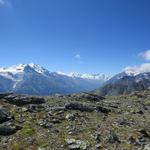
36	80
102	77
125	83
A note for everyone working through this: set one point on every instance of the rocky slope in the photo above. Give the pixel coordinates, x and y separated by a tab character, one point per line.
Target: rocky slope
36	80
79	121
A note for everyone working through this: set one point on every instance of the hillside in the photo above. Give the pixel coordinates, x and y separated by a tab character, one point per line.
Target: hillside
79	121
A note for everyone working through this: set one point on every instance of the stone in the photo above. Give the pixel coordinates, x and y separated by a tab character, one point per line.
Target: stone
70	116
9	128
41	148
4	116
98	146
97	137
123	122
21	100
55	120
113	138
103	109
147	147
132	140
79	106
141	140
76	144
3	95
45	124
24	109
92	97
145	133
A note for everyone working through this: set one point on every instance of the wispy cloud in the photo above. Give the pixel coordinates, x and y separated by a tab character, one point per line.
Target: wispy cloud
78	58
6	3
145	55
138	69
145	67
2	2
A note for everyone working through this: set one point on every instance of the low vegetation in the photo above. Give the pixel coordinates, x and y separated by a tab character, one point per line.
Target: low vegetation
78	121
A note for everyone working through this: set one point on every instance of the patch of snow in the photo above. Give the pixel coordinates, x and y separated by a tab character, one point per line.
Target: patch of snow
13	69
38	68
16	83
7	75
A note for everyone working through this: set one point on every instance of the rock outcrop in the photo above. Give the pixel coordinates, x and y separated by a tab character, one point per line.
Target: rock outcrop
4	116
21	100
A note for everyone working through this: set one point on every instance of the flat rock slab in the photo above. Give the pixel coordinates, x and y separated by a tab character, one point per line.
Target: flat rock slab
8	128
2	95
21	100
79	106
4	116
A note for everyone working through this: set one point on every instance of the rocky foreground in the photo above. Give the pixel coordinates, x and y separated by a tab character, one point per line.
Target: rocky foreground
75	122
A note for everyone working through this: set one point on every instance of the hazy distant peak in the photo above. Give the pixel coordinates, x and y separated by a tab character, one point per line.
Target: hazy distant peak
87	76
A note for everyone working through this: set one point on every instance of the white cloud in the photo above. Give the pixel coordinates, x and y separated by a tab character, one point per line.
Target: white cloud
145	55
78	58
137	69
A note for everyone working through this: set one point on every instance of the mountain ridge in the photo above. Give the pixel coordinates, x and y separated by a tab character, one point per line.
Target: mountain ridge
125	83
36	80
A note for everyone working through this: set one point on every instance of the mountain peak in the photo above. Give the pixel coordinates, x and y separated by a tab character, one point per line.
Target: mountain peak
20	68
38	68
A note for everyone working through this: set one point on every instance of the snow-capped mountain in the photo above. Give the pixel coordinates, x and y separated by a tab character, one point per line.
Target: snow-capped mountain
21	68
125	83
36	80
143	70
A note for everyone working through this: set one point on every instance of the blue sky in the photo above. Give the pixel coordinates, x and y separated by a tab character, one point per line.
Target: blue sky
87	36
